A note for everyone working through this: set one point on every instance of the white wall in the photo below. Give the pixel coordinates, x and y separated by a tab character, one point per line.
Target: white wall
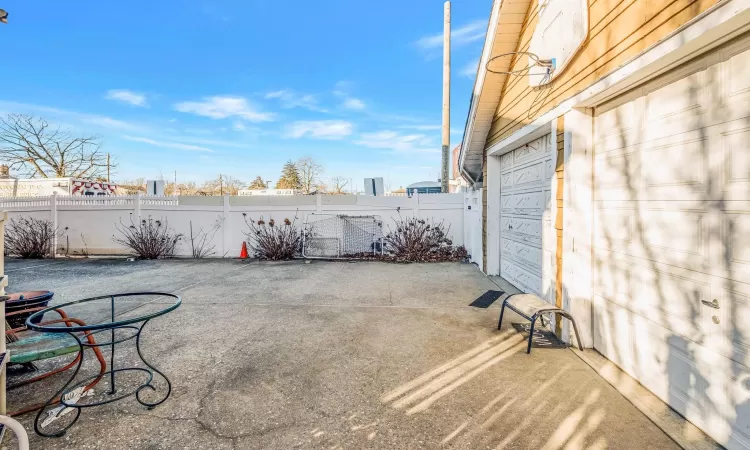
92	222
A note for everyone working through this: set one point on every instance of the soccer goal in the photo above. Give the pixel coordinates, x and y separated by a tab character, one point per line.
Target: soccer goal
331	236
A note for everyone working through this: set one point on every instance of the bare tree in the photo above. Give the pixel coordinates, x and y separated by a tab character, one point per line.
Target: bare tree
187	188
223	185
338	184
309	173
29	144
131	187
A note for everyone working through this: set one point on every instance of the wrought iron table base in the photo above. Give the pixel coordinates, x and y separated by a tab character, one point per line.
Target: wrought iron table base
65	390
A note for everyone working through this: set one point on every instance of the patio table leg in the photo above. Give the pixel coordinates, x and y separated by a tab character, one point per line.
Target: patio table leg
56	398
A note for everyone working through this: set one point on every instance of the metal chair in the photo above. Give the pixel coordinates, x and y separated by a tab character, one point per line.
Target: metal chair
531	307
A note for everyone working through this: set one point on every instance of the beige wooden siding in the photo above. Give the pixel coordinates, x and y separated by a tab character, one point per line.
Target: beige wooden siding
618	31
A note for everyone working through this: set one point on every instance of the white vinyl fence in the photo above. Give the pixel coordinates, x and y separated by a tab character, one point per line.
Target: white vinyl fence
88	224
473	226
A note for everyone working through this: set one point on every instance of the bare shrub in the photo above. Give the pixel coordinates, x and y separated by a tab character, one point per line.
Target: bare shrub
85	250
199	242
271	240
148	239
417	240
30	238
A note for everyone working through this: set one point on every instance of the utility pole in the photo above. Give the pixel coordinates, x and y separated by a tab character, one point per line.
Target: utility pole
174	188
446	96
108	171
221	185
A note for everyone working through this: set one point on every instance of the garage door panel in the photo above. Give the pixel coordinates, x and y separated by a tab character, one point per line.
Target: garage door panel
520	277
524	204
615	126
674	301
532	151
736	164
506	160
738	73
683	233
665	174
615	279
654	231
665	295
528	256
737	225
680	98
614	226
734	303
531	175
526	230
619	140
506	181
671	371
617	173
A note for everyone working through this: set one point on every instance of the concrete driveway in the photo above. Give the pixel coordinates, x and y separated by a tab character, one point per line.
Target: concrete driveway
333	355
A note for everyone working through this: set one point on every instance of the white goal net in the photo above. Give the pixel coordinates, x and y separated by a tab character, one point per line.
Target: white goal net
342	236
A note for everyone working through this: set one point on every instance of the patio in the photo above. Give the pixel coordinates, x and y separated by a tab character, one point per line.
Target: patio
335	355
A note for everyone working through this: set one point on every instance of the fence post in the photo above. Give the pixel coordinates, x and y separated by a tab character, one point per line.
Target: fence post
318	204
53	219
415	197
137	204
225	228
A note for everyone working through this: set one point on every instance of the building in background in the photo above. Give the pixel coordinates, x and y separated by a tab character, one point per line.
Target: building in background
42	187
252	192
424	187
374	186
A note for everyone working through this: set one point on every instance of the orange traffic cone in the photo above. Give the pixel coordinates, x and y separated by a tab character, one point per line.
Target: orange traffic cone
243	253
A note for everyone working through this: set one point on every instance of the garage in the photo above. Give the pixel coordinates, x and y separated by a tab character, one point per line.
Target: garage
526	227
672	239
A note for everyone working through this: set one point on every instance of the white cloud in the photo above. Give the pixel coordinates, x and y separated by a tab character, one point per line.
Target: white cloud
167	144
224	107
341	90
210	142
466	34
56	114
239	126
392	140
421	127
428	128
470	69
107	122
126	96
290	99
353	103
320	129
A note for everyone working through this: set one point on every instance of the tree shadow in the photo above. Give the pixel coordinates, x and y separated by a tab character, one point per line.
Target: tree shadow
668	273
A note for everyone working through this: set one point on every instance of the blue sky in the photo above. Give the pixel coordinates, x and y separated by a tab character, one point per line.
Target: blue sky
240	87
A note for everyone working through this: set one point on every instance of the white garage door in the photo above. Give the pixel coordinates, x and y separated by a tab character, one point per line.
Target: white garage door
672	239
527	236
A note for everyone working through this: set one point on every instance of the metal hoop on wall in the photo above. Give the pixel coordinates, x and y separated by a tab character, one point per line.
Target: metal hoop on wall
535	62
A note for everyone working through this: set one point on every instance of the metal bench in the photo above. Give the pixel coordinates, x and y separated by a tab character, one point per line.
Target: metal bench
531	307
